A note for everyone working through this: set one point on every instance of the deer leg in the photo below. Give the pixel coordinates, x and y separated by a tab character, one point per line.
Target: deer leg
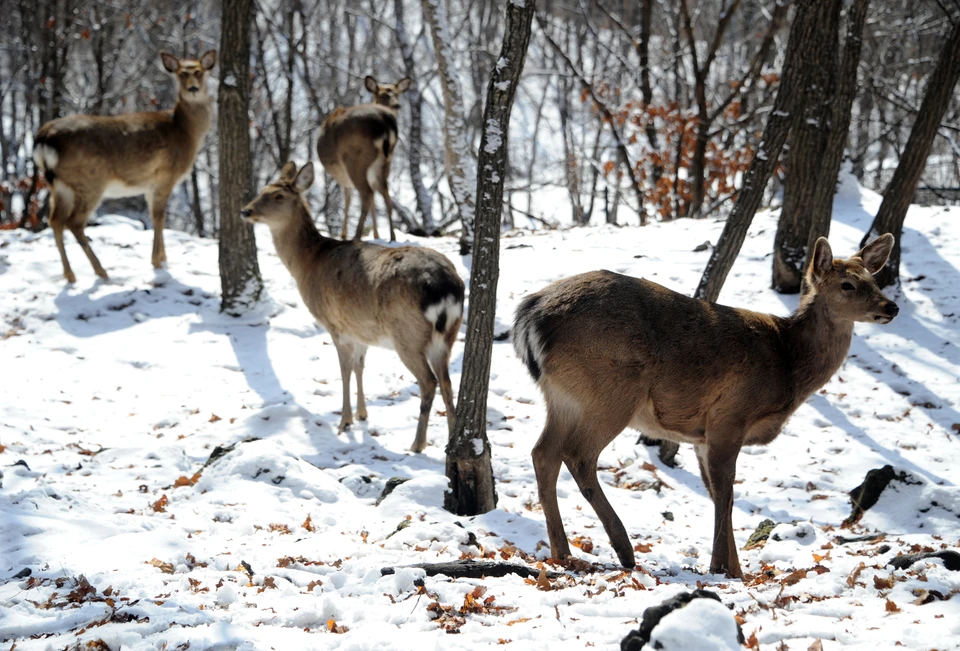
359	353
389	204
721	466
345	353
701	451
546	466
418	365
440	364
346	212
366	208
84	242
584	471
58	219
158	213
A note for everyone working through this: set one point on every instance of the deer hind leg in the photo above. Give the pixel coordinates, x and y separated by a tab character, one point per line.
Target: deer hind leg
158	213
82	207
61	204
359	354
345	354
546	466
346	211
77	230
720	462
385	193
415	359
439	357
584	471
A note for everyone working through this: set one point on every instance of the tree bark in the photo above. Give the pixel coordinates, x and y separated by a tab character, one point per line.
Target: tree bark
809	133
468	452
821	208
903	185
460	172
415	144
240	280
795	76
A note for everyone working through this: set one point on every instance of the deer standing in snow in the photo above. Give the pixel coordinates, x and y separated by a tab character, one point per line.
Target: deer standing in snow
87	158
406	298
356	146
610	351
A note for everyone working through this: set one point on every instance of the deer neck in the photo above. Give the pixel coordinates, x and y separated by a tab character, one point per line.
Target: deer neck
193	118
817	343
298	242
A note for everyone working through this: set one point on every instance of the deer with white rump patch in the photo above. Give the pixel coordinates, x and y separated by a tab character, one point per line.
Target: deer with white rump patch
87	158
610	351
356	147
407	298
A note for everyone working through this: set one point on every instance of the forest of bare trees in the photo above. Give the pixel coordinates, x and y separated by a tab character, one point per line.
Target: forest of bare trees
627	112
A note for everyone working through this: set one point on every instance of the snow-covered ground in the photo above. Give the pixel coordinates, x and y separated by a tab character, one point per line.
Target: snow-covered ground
114	394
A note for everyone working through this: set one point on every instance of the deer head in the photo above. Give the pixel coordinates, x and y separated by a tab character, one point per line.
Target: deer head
848	286
282	200
190	74
387	94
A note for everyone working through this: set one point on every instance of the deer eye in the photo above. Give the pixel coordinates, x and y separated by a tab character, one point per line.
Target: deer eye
847	287
278	197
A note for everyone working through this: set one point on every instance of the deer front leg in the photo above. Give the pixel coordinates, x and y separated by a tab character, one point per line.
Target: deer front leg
345	353
359	353
58	236
158	213
720	463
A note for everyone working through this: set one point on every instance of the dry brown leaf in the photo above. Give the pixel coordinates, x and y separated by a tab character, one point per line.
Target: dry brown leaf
816	646
518	621
308	525
643	548
214	418
166	568
752	641
543	583
852	579
882	584
160	506
892	607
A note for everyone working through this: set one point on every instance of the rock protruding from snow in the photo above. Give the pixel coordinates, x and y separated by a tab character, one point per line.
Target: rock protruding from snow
690	620
867	494
951	559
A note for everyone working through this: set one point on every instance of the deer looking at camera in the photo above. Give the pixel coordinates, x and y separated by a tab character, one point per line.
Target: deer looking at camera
610	351
407	298
87	158
356	146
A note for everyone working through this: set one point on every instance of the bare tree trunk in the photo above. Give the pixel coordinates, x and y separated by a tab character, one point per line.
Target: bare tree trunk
569	157
460	173
468	451
821	208
808	138
903	185
795	77
415	144
239	271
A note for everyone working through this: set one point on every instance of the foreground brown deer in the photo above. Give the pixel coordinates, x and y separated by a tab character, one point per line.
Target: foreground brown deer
356	146
406	298
87	158
610	351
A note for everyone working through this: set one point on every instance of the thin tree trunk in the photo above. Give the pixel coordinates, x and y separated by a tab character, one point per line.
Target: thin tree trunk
808	138
239	271
460	172
903	185
415	144
795	77
468	452
821	208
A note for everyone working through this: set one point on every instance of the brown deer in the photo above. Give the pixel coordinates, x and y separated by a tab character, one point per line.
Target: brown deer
356	146
86	158
610	351
406	298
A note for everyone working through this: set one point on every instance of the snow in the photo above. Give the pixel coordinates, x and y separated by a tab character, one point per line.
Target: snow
703	624
115	394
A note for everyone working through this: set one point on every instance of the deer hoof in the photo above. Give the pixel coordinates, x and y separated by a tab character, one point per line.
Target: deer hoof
344	426
69	275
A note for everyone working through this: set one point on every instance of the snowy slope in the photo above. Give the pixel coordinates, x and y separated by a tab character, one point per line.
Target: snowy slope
112	391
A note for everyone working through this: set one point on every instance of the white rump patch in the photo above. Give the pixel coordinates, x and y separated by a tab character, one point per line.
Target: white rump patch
45	157
373	172
526	340
450	305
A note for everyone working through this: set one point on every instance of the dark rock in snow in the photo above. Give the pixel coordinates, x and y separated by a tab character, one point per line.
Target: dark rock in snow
635	640
866	495
221	451
22	574
951	559
760	535
391	484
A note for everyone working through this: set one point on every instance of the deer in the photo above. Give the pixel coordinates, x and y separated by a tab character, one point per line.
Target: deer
407	298
356	146
86	158
610	351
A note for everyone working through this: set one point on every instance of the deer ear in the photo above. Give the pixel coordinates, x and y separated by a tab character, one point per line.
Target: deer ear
208	60
304	178
170	62
822	259
370	83
288	171
404	84
875	254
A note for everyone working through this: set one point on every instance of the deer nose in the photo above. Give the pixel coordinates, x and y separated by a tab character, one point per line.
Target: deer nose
246	213
891	309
